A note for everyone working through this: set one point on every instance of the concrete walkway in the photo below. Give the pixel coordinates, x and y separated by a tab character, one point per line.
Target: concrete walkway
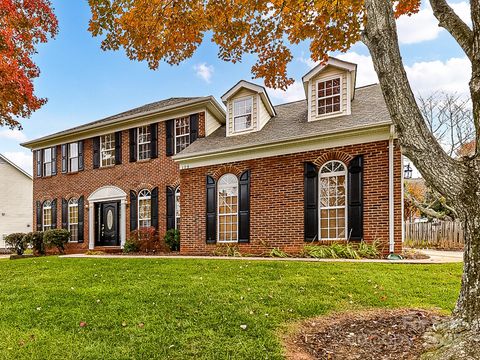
436	257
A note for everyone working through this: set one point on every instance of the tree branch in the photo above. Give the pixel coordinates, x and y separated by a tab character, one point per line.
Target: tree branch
450	21
426	209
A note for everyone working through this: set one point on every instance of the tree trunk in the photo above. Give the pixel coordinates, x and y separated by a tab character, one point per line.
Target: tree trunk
457	180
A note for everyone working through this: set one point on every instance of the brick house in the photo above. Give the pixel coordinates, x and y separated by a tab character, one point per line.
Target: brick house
255	176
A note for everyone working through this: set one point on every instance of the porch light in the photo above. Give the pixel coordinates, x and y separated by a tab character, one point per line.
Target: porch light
407	171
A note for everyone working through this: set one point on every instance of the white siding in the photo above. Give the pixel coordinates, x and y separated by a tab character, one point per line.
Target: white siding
211	123
16	197
263	115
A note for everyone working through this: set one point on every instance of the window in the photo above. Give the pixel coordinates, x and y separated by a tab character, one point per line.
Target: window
143	142
182	133
47	215
177	208
242	114
328	96
73	219
47	162
144	209
333	201
228	208
107	150
73	157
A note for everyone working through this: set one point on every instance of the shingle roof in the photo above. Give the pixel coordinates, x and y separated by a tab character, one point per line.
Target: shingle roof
368	109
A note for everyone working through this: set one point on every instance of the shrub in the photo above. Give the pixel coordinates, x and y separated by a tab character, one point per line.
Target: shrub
56	238
132	245
16	243
145	238
227	250
276	252
35	239
343	251
172	239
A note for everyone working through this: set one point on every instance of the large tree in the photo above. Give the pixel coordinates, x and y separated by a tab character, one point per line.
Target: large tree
23	25
171	31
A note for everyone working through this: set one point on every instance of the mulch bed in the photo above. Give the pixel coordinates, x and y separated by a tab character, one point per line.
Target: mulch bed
375	335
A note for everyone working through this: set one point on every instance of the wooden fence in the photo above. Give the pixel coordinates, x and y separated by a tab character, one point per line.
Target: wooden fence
439	235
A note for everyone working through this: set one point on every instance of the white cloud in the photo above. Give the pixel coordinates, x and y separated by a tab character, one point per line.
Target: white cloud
21	159
204	71
15	134
293	93
365	72
423	26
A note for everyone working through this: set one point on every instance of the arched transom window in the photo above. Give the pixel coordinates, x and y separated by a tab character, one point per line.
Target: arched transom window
228	208
333	201
73	218
144	209
47	215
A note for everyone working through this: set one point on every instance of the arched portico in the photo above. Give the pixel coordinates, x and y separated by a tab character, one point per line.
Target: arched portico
108	196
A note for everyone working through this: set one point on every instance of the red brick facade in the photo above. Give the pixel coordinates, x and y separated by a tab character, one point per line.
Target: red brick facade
277	199
148	174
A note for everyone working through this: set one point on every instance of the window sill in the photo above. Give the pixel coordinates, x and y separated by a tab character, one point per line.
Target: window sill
227	242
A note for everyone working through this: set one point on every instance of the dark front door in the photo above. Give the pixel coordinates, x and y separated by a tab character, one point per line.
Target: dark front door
107	224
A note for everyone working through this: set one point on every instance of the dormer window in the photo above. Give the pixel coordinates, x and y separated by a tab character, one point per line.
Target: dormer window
328	96
242	114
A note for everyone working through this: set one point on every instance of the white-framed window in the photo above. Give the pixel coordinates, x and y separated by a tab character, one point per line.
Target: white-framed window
144	209
228	208
73	157
143	142
333	201
47	162
47	215
329	98
107	150
73	219
182	133
177	208
242	114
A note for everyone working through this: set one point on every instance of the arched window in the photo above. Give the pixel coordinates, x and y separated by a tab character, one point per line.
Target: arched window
333	201
228	208
177	208
144	209
47	215
73	219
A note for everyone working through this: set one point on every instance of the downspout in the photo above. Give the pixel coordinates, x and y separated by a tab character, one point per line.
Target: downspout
391	202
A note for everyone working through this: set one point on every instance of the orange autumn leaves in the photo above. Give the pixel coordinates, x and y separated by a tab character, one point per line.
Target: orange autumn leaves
23	24
171	31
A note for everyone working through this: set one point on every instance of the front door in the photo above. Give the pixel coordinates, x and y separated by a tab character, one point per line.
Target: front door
107	224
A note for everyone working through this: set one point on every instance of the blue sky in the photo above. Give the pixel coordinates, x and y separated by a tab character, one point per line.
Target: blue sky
83	83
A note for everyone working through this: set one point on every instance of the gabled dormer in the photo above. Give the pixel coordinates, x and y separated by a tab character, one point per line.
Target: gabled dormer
248	108
330	88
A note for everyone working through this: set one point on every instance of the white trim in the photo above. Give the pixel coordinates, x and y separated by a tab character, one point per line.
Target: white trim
146	197
333	113
391	194
243	98
309	102
183	135
231	214
360	136
253	87
144	143
349	96
345	65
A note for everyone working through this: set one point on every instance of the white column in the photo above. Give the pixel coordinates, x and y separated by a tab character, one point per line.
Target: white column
91	225
391	194
123	222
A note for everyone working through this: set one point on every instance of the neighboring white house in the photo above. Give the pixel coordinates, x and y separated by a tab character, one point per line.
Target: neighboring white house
16	199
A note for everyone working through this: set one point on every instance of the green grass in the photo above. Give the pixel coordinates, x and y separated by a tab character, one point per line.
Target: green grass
192	309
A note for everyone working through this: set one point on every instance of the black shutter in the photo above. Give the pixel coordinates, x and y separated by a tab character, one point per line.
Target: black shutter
39	154
96	152
39	215
310	202
170	133
54	213
54	160
355	198
118	148
211	224
64	158
193	127
81	219
80	156
170	208
154	209
133	210
64	214
153	141
244	208
133	144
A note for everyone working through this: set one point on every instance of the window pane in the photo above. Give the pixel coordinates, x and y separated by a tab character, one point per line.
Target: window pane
182	133
242	112
328	96
143	141
228	208
107	150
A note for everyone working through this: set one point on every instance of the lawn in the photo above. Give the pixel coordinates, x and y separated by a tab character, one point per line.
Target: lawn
192	309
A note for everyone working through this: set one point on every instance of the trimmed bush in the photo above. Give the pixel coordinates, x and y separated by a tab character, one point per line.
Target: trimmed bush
35	239
146	238
56	238
132	245
16	243
172	239
343	251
